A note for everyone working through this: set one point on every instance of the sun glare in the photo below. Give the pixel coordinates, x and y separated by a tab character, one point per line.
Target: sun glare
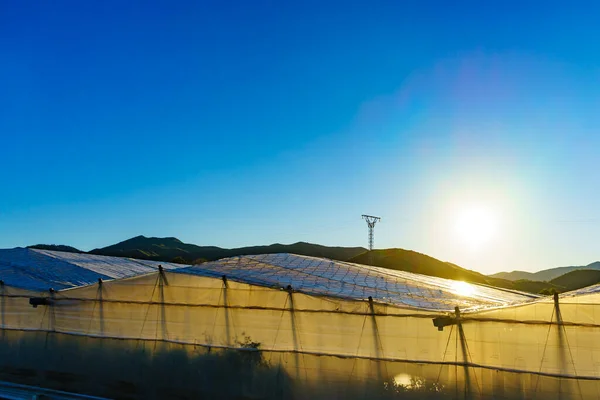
475	226
463	288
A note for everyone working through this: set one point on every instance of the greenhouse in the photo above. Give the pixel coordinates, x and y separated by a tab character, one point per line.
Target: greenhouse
285	326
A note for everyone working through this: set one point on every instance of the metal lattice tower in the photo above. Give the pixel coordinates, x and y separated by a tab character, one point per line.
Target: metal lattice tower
371	221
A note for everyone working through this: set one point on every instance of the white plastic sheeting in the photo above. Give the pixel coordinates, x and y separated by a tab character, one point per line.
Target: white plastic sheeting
583	291
160	333
353	281
40	270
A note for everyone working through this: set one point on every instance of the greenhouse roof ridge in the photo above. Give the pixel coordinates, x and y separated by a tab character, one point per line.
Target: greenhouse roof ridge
325	277
40	270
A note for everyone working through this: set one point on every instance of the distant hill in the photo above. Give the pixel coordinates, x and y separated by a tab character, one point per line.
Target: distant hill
513	275
301	248
56	247
544	275
411	261
577	279
169	248
160	249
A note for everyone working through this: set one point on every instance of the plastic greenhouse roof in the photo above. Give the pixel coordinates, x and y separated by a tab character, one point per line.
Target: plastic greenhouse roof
40	270
354	281
593	289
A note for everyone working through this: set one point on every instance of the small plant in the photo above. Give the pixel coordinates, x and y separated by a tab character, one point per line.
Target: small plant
249	344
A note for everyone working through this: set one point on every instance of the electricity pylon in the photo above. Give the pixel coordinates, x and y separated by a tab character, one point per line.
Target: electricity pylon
371	221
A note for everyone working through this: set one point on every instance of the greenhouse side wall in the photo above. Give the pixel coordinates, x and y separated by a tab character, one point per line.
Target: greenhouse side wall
194	337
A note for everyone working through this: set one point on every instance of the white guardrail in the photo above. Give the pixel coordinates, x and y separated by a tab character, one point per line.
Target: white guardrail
13	391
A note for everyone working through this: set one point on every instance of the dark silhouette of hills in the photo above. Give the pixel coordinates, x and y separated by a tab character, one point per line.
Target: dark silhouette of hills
577	279
544	275
56	247
411	261
170	248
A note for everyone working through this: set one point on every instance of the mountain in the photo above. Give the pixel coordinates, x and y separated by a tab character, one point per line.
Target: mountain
170	248
411	261
577	279
160	249
301	248
544	275
56	247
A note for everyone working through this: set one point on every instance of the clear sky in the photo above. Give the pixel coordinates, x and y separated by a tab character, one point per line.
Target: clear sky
249	122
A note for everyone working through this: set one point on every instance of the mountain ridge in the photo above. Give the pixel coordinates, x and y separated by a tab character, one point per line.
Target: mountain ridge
56	247
578	278
170	248
412	261
546	275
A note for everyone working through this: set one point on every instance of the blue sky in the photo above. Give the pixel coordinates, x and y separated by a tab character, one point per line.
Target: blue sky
247	123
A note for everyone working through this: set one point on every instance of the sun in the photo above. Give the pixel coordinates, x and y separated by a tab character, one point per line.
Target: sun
475	226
